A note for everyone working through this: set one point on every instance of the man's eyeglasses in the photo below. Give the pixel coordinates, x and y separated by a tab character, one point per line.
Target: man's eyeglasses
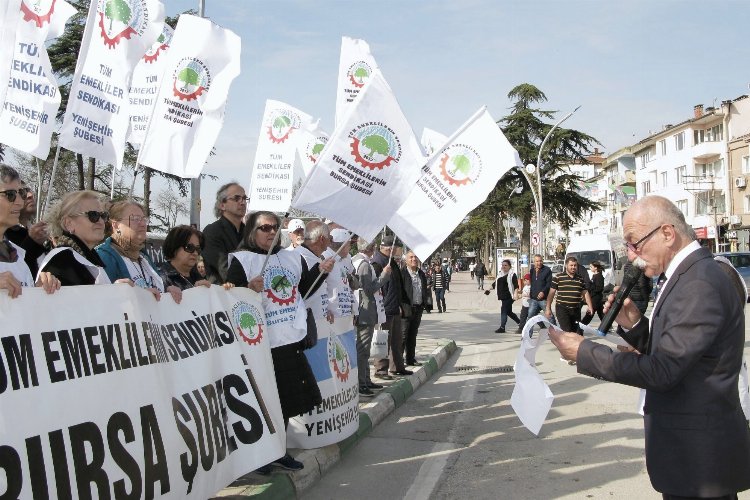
12	193
239	198
267	228
137	219
633	247
94	216
190	248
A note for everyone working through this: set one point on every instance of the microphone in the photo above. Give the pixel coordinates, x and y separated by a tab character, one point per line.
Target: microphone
628	282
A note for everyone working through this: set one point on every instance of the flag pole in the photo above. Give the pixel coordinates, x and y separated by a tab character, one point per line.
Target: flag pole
38	188
52	176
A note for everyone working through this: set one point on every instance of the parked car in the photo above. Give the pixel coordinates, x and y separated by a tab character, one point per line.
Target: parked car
741	262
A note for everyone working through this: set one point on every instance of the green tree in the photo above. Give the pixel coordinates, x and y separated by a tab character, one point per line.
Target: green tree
461	164
188	76
316	149
117	10
247	321
376	144
360	74
280	122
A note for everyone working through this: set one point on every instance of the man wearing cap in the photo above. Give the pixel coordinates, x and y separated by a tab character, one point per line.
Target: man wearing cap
415	286
296	230
394	302
222	236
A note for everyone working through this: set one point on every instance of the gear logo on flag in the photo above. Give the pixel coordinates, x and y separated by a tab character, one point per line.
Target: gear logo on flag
190	79
359	73
375	145
248	322
460	165
277	283
281	124
120	19
315	147
160	45
338	358
38	11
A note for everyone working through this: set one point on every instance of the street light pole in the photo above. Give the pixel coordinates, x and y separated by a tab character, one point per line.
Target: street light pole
195	184
539	227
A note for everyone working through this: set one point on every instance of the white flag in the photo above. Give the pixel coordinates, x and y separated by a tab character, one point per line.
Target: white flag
27	118
144	86
310	145
432	141
202	62
272	177
356	66
10	15
453	183
368	167
117	34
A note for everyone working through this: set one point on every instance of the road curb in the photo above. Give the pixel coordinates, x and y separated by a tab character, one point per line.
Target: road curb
319	460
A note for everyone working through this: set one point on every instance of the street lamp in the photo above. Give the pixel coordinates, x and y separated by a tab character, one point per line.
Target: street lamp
531	168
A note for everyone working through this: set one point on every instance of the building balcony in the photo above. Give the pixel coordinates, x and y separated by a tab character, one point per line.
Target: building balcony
625	178
707	150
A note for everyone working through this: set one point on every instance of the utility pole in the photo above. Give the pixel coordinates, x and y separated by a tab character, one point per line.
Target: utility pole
195	184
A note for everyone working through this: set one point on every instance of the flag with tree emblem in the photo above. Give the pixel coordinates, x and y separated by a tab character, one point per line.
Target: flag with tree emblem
458	177
10	15
272	177
310	145
117	34
356	66
202	62
368	167
27	119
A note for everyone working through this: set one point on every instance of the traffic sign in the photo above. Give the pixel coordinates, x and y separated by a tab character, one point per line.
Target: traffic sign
535	239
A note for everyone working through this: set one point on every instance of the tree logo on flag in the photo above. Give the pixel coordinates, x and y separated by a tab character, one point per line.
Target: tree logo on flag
160	45
315	147
460	165
278	283
338	358
38	11
248	321
374	145
190	79
359	73
120	19
281	124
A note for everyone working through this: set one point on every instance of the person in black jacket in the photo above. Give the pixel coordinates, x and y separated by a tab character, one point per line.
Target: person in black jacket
596	291
223	235
417	291
30	237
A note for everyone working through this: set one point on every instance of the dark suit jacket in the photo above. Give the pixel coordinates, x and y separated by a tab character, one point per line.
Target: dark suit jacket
697	438
221	238
409	289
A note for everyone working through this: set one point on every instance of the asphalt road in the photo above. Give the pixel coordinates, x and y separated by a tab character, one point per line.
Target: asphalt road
458	437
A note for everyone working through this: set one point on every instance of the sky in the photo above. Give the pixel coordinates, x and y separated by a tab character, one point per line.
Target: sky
632	65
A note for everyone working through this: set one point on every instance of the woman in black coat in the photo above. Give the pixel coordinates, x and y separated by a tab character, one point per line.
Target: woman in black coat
596	291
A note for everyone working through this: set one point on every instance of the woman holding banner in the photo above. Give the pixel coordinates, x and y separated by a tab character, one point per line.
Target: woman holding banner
182	248
285	279
14	272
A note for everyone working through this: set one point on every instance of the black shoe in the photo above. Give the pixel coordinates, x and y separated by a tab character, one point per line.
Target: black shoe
264	470
500	330
365	392
383	376
413	363
288	463
440	310
371	385
403	372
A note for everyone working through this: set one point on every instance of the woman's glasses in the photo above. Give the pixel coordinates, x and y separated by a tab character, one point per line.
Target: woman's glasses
94	216
267	228
12	193
190	248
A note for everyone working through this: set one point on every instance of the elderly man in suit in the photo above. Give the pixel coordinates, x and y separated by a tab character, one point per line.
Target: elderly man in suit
688	359
415	286
222	236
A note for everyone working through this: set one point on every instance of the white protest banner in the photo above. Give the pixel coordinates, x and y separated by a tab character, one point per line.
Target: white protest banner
202	61
27	119
453	183
117	34
356	66
144	86
432	140
272	177
334	362
368	167
10	15
310	145
116	394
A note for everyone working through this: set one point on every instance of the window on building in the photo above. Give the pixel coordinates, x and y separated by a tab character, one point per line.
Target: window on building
646	187
746	164
663	179
699	136
663	146
680	173
679	141
683	206
747	203
715	133
711	169
709	203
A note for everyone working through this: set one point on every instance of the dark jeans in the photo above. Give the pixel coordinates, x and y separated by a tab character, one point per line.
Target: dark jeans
568	317
590	314
524	316
409	327
364	343
395	343
506	312
480	281
440	298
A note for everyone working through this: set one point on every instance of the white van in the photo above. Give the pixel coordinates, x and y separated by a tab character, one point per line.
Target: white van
608	249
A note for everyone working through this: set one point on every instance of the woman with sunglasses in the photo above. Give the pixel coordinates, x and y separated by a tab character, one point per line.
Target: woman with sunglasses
77	222
122	252
14	272
285	280
182	249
